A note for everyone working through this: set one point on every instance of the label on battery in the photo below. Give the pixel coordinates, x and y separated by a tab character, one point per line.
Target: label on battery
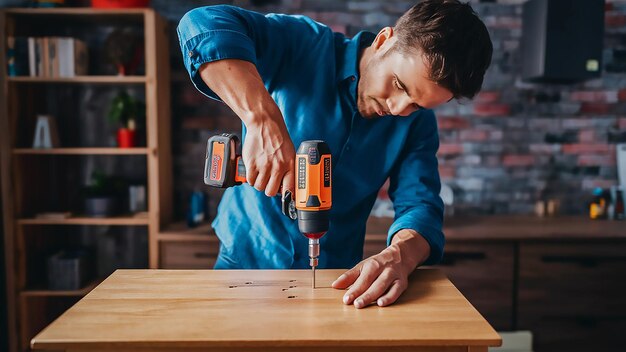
216	167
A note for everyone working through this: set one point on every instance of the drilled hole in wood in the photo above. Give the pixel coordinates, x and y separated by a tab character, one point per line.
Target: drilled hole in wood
292	286
285	289
232	286
248	283
291	297
293	280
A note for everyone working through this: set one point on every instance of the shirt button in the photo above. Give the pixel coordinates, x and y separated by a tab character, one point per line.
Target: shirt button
190	53
352	78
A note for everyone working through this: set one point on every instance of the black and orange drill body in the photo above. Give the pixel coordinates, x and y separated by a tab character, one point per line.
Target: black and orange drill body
313	194
312	199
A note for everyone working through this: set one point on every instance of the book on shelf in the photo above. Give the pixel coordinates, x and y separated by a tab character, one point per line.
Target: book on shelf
54	215
57	57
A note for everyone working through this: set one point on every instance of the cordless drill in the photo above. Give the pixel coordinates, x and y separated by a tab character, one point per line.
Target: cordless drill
311	204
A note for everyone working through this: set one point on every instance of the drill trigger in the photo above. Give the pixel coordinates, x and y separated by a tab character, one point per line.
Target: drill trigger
288	205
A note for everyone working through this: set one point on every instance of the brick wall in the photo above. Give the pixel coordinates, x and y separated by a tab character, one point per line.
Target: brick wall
513	144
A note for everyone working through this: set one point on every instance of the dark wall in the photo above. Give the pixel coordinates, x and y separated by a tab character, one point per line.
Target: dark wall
513	144
501	152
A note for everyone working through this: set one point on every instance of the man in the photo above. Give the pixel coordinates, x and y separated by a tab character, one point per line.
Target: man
290	79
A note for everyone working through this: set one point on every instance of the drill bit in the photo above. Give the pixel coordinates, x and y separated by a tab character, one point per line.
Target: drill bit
314	252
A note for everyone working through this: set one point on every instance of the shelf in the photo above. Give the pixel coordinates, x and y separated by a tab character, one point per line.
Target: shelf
33	306
180	232
81	79
140	219
82	151
56	293
85	16
76	11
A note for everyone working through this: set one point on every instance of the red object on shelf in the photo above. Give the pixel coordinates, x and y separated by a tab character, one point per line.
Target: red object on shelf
116	4
126	138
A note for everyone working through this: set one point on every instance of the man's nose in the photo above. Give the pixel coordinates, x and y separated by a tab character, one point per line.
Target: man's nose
400	105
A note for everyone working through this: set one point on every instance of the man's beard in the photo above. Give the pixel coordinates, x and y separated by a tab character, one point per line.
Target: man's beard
361	102
362	98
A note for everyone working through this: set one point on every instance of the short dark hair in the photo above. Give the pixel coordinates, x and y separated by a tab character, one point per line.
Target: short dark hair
454	41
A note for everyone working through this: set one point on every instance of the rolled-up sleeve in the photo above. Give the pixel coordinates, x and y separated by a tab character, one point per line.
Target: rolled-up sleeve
415	185
278	45
214	33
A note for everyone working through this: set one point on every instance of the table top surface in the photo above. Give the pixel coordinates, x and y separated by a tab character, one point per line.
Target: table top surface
213	308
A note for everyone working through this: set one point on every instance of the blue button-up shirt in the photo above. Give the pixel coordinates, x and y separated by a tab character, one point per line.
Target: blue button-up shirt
312	74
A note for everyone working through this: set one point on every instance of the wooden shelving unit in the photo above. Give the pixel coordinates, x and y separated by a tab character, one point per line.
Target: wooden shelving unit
30	305
181	233
81	80
81	151
119	221
181	247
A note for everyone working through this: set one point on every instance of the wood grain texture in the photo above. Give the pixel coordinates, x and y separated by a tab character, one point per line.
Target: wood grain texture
158	130
138	309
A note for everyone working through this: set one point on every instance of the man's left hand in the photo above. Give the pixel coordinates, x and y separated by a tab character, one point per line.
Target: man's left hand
383	277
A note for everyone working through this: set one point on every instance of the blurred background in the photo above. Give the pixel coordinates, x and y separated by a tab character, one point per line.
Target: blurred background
102	160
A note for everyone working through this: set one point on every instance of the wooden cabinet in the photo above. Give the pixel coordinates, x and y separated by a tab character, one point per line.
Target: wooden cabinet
564	279
36	181
484	273
573	295
189	254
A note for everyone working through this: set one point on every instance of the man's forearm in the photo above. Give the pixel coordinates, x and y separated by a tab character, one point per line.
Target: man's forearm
239	85
413	247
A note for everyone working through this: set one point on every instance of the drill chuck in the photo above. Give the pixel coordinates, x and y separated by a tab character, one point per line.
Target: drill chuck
314	251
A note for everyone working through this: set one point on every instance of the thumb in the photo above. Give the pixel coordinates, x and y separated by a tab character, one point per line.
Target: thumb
348	278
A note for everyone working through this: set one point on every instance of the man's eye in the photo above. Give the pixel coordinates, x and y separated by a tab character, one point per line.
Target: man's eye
395	81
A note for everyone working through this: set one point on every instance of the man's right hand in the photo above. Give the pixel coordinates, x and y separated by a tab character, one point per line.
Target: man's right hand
269	156
268	152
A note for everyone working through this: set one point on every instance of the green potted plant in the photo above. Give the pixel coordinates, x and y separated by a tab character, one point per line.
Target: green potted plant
103	195
125	111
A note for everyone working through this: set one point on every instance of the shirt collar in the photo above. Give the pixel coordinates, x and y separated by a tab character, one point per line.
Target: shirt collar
350	65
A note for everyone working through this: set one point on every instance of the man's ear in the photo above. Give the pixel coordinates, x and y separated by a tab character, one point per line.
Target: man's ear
383	36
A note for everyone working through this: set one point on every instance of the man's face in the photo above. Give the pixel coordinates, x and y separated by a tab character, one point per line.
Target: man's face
395	83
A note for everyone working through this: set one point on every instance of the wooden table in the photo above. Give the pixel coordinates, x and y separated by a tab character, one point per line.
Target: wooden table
255	310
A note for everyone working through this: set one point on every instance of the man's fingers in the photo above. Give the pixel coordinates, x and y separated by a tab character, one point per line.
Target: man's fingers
346	279
289	182
378	287
395	290
369	272
261	181
272	186
251	175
